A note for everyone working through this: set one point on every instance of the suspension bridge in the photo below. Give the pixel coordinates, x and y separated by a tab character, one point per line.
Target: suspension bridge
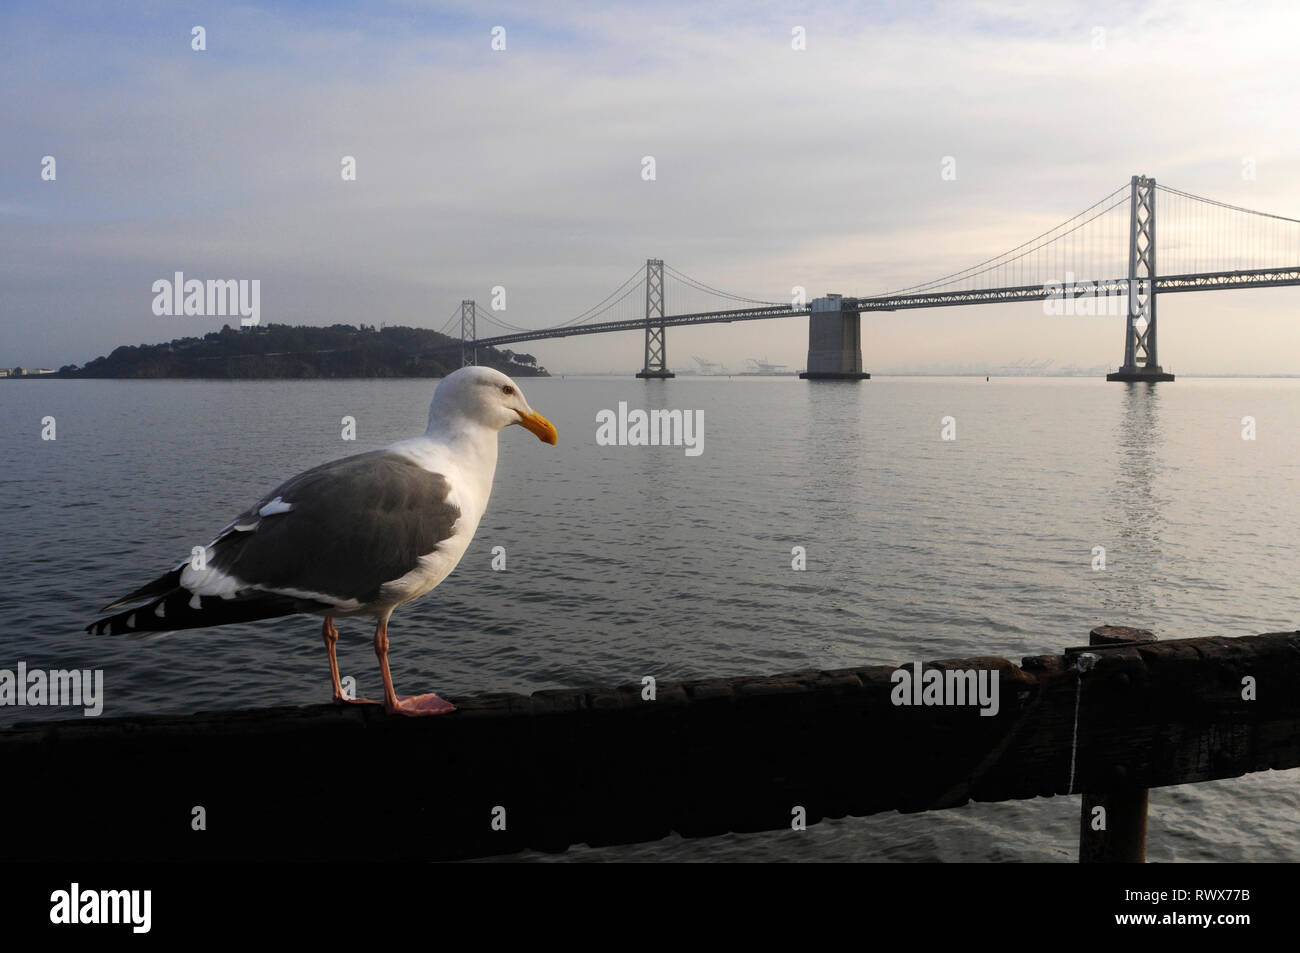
1101	261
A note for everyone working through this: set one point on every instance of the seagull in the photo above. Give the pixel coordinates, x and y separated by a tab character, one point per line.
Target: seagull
356	537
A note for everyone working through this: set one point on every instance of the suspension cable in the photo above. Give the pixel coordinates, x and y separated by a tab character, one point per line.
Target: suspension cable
965	272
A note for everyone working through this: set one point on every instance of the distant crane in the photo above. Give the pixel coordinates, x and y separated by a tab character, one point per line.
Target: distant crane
1024	368
764	368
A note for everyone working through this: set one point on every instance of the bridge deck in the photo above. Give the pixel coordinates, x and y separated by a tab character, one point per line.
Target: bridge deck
1165	284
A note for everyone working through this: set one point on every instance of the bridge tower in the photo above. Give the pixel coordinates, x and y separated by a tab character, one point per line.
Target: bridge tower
656	356
834	340
468	333
1140	360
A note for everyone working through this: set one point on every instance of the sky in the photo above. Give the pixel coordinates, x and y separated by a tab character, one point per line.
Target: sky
775	167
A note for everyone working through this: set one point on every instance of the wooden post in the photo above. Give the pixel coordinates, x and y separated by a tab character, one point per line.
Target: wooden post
1122	809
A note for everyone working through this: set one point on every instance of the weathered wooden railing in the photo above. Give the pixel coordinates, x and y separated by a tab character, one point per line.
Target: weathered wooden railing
607	766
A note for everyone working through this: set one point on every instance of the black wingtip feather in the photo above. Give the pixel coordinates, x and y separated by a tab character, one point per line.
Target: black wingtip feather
164	584
178	613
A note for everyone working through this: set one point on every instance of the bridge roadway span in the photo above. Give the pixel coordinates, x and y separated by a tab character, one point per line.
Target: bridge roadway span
1165	284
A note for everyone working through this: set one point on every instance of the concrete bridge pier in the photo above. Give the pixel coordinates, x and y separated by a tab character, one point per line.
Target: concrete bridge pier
834	341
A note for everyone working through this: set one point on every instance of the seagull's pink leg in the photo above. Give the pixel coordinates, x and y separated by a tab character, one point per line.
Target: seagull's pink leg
331	637
429	704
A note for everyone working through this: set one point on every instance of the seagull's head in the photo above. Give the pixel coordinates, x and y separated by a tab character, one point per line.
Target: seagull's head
486	397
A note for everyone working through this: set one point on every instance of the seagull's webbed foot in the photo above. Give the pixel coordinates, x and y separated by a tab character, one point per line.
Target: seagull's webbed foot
331	637
429	704
341	699
395	704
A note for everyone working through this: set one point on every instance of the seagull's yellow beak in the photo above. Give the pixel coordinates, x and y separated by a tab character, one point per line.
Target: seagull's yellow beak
539	425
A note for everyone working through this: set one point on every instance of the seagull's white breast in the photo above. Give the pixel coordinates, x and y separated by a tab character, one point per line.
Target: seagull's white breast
468	462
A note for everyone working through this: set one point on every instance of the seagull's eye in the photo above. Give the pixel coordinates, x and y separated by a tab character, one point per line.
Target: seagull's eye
507	389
